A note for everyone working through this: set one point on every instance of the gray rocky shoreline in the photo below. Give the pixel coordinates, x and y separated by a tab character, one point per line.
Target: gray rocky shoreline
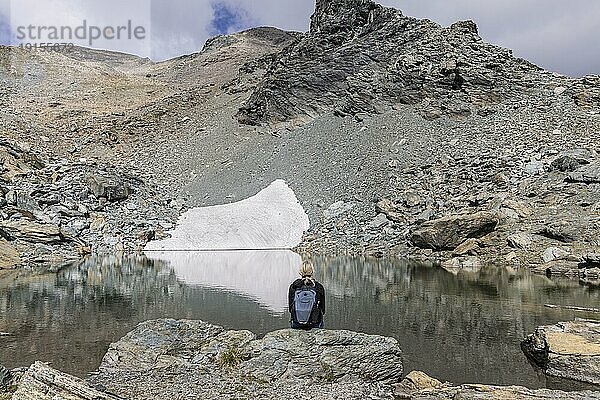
177	359
54	212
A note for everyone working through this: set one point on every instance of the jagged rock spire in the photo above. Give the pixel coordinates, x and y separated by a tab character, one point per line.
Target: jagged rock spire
332	16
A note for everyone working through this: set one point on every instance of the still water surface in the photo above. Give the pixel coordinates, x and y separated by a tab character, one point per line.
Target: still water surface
463	327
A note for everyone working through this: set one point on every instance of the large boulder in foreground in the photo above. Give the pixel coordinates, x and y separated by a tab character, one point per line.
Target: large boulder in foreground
325	355
449	232
320	355
167	359
419	386
569	350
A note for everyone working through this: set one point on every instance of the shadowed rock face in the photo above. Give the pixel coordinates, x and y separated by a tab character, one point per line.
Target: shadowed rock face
360	57
569	350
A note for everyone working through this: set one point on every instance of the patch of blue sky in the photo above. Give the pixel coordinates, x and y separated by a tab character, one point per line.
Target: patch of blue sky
227	18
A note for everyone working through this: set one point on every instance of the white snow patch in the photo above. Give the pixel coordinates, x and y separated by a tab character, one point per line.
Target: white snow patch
262	276
271	219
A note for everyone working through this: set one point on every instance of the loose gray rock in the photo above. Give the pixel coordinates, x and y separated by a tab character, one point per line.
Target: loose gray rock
555	253
535	168
379	221
111	188
520	240
388	208
565	164
337	209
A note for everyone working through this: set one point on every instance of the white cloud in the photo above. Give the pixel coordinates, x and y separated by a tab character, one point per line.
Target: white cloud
94	23
179	27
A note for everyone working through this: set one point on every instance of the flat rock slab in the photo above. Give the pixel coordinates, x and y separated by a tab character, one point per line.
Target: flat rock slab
569	350
418	386
321	355
41	382
31	231
325	355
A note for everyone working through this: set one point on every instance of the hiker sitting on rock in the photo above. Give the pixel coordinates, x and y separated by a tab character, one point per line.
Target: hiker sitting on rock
306	300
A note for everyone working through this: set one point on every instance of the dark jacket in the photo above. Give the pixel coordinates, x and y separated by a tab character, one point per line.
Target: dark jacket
297	284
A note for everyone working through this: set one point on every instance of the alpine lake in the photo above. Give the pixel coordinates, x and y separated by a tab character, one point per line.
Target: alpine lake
462	327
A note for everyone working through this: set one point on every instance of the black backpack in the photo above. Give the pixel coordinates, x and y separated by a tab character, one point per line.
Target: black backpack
305	306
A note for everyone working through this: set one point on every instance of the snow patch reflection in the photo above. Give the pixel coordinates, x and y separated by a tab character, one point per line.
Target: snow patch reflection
260	275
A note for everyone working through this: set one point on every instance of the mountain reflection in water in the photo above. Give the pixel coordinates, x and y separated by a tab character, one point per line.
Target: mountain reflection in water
463	327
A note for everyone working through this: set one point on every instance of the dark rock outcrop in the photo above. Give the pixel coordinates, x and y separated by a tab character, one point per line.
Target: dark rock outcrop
109	187
448	233
359	57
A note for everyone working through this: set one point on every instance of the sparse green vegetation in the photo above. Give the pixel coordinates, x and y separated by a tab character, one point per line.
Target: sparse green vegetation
230	358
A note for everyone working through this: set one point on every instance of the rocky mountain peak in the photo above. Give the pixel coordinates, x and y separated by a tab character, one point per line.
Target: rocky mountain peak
332	16
467	26
361	57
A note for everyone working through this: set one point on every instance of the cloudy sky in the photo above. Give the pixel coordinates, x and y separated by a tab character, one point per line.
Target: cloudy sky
558	35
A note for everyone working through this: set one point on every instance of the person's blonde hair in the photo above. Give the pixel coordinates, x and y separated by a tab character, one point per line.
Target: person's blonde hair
306	271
